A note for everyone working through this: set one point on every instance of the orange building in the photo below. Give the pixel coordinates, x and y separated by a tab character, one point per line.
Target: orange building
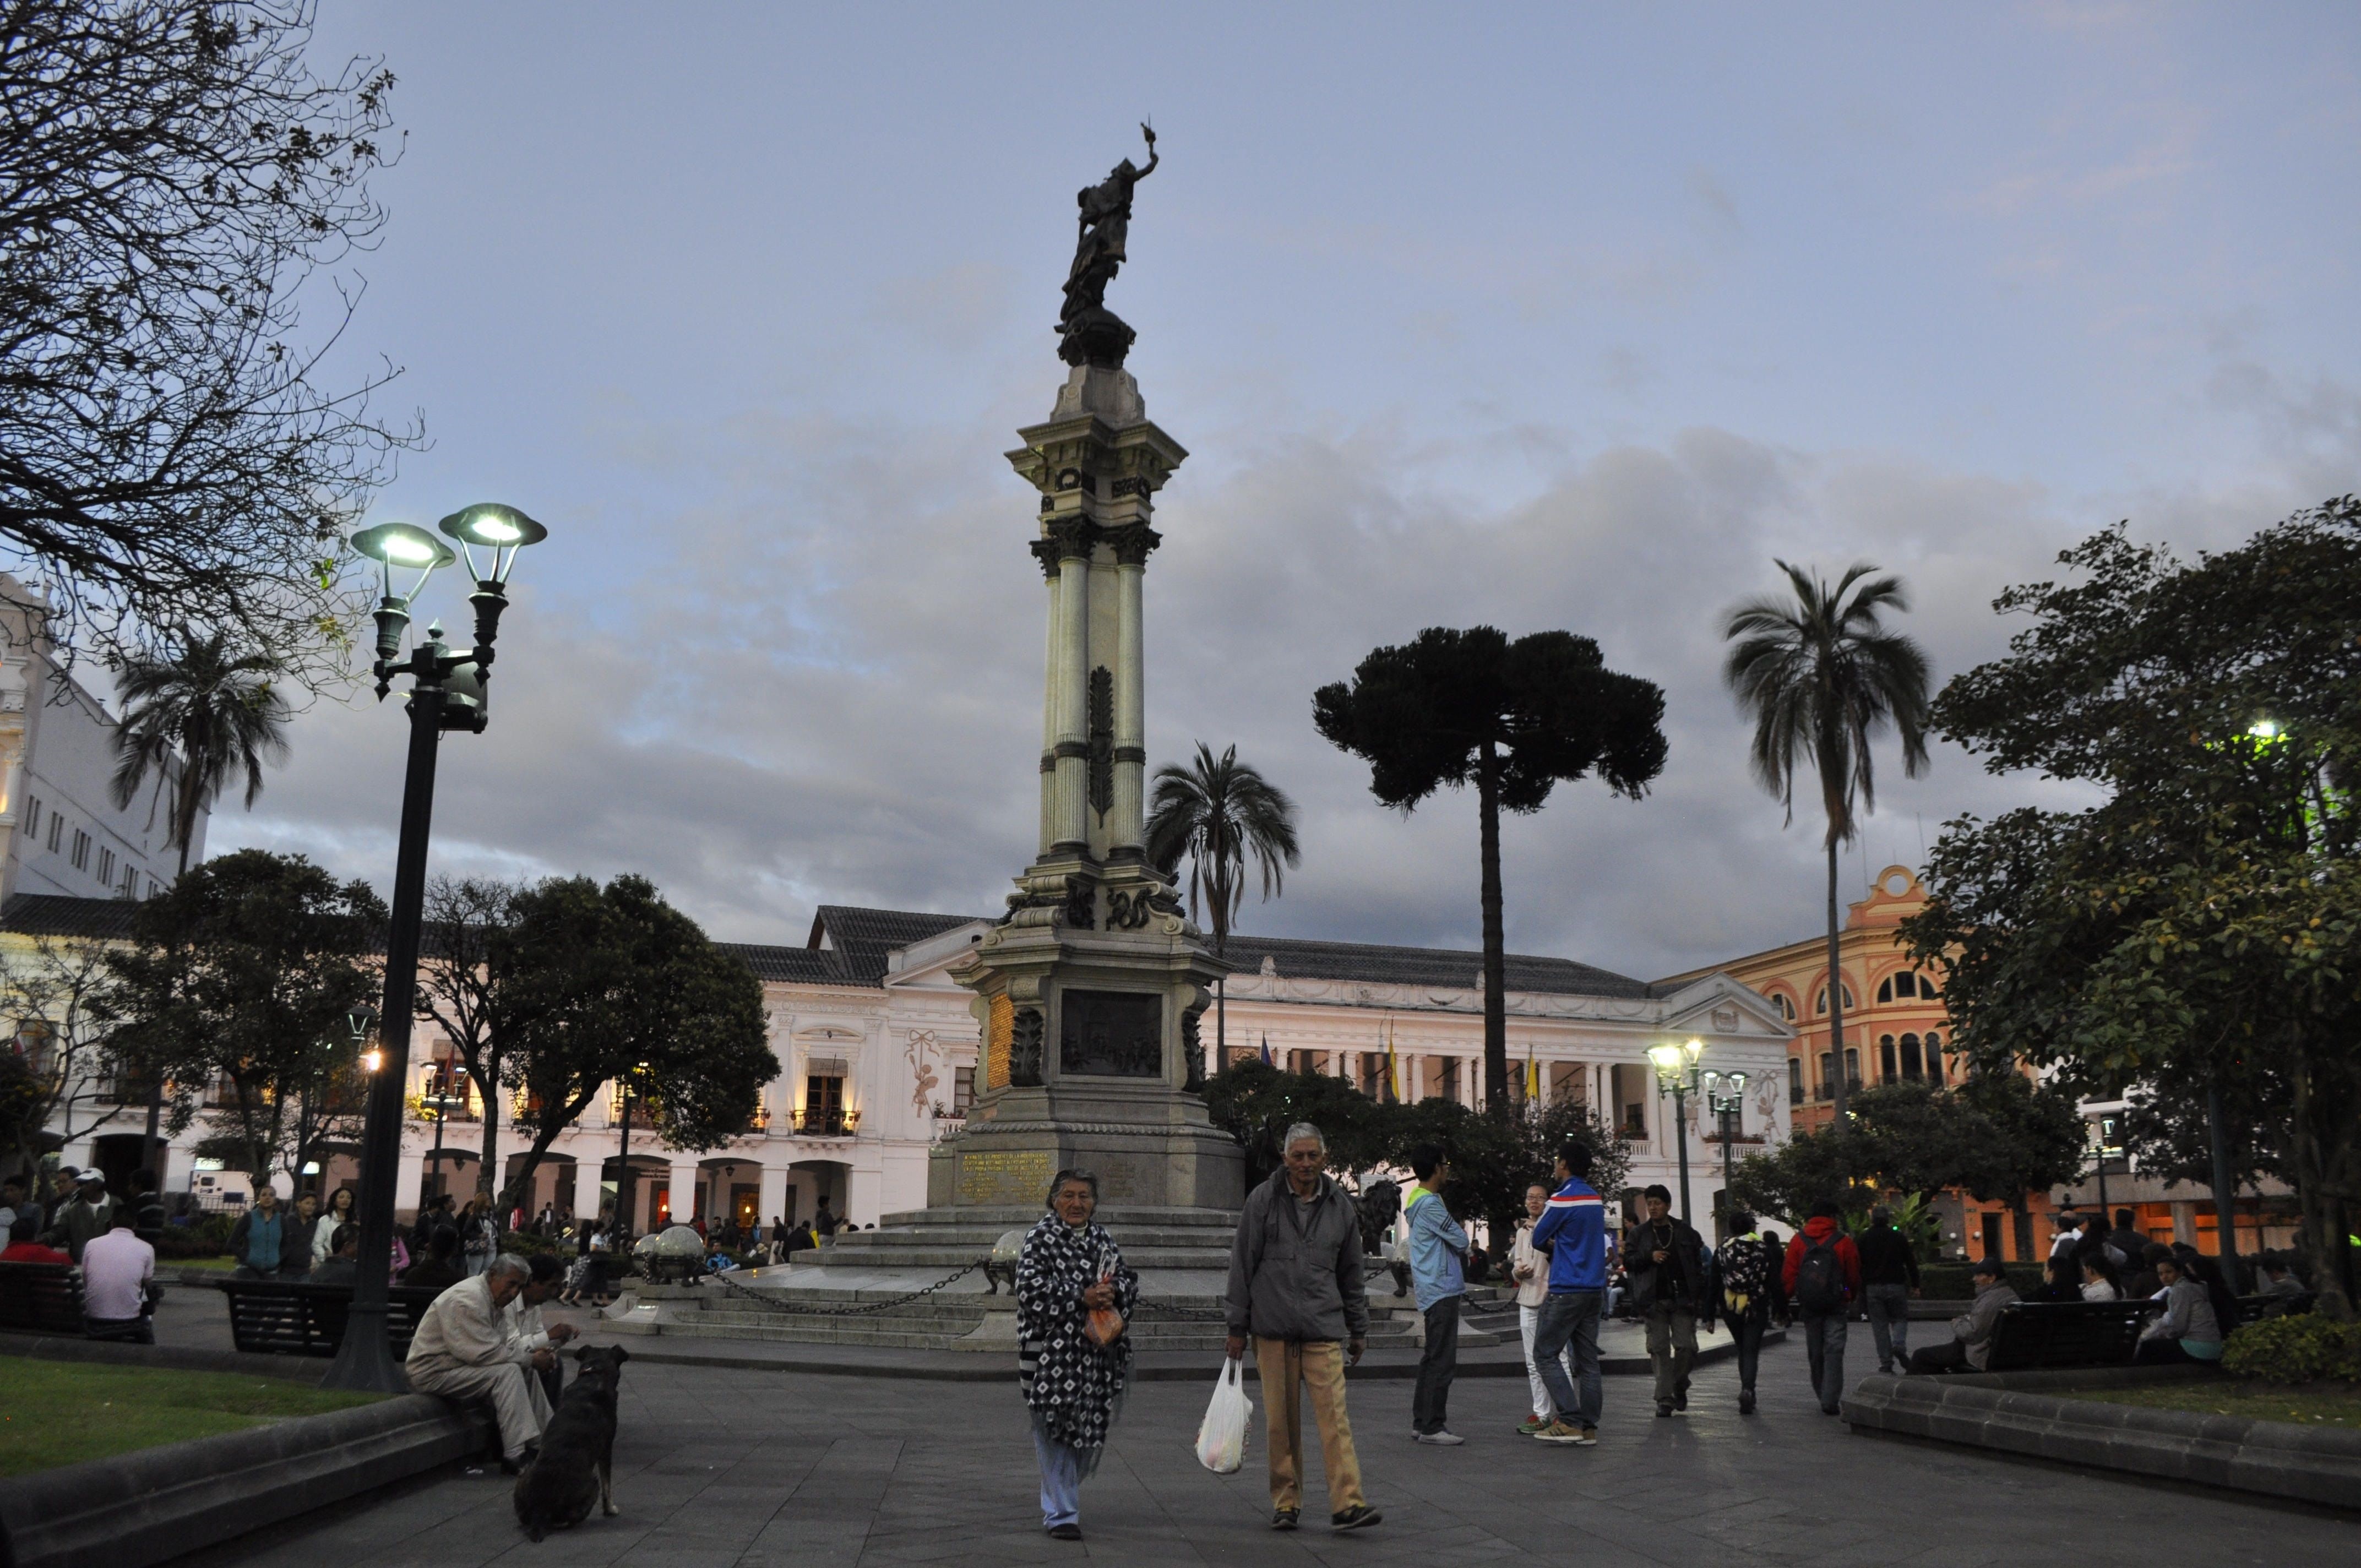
1895	1031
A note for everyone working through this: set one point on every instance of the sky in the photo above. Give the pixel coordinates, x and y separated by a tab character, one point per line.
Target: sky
1558	316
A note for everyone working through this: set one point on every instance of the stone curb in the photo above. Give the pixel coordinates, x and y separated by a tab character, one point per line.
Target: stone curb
138	1509
971	1367
2033	1415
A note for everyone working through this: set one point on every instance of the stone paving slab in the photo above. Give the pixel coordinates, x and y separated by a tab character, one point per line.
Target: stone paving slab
718	1469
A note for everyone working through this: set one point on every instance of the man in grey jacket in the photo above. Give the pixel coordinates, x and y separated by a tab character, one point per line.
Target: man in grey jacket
1971	1347
1295	1288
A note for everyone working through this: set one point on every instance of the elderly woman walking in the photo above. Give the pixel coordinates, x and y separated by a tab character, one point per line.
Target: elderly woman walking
1073	1299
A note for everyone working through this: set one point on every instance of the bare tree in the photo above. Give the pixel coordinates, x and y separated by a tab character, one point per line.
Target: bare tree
173	179
455	989
72	1076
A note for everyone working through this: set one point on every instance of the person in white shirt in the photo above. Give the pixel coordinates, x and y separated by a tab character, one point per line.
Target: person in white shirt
463	1350
1530	1270
526	1326
116	1269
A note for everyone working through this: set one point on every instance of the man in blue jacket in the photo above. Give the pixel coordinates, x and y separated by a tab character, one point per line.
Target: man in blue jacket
1572	1231
1437	1248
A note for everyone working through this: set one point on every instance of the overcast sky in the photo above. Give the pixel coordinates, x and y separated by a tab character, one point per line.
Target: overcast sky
1549	317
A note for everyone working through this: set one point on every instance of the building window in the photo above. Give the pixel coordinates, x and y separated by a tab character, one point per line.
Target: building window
32	817
1885	1057
81	855
1852	1068
1912	1066
1934	1059
1630	1086
57	825
1795	1081
962	1088
1785	1004
1826	1090
1821	1005
106	867
131	881
823	1105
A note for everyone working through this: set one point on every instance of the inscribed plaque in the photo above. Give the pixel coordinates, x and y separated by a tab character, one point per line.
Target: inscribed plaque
1112	1033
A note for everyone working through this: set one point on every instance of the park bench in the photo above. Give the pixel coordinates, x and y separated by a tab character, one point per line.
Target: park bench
2038	1336
282	1317
2254	1308
42	1297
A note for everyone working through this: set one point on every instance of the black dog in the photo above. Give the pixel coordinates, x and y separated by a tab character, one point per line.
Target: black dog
575	1465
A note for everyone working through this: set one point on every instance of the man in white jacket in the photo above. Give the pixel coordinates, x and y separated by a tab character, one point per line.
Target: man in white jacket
463	1350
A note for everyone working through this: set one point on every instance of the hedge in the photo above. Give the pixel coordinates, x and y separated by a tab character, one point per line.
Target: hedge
1956	1281
2306	1348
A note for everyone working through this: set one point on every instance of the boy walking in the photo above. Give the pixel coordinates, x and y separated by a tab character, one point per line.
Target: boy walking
1437	1253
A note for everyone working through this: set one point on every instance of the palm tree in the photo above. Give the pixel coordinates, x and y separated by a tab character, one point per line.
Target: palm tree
216	713
1219	811
1821	675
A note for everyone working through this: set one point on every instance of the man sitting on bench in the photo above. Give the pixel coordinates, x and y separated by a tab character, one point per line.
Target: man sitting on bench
463	1351
1970	1345
118	1276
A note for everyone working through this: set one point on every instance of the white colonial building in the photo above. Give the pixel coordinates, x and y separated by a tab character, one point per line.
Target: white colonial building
877	1049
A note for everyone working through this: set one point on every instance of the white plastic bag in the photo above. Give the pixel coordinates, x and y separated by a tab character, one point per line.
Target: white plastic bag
1221	1438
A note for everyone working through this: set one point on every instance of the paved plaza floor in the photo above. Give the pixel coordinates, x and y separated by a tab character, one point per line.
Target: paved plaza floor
718	1468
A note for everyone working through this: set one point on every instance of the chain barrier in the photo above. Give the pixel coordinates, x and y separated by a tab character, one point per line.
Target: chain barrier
771	1297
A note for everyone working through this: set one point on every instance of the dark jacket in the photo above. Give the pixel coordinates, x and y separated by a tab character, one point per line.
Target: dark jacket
1297	1276
1681	1282
1886	1258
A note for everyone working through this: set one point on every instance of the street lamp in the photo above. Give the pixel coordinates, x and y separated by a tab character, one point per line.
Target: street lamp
1677	1070
446	692
1725	1096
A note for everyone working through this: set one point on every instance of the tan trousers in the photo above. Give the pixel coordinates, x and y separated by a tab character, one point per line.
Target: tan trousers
513	1392
1288	1367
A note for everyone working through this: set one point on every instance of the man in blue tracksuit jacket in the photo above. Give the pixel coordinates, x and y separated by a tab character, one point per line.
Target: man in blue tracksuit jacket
1572	1231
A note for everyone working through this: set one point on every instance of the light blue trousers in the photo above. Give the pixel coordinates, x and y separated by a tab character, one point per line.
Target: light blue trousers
1061	1481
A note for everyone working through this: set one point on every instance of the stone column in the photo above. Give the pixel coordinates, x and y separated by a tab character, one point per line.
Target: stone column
1045	552
587	1192
1125	829
1072	540
683	1191
775	1195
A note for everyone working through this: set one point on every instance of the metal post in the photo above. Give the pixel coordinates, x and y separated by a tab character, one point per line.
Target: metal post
623	1173
1681	1115
363	1360
1728	1132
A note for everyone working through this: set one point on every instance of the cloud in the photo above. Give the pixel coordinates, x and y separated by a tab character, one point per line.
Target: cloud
832	692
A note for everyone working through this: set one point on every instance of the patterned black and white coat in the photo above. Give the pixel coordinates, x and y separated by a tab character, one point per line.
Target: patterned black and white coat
1073	1385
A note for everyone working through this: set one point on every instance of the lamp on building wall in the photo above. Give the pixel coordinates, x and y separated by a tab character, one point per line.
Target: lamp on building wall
447	692
1676	1068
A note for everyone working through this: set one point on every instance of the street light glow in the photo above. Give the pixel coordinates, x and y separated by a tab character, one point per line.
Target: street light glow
2265	729
1667	1057
503	530
372	1060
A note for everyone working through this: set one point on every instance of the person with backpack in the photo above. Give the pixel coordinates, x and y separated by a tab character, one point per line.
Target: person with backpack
1746	1291
1823	1277
1889	1278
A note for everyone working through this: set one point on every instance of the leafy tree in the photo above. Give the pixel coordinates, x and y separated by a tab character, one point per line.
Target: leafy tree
1513	719
595	985
242	973
1220	812
216	712
2037	1139
1255	1103
456	989
2199	927
173	176
1822	676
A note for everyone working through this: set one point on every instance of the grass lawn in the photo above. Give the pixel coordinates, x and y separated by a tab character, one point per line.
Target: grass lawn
223	1264
60	1412
2326	1404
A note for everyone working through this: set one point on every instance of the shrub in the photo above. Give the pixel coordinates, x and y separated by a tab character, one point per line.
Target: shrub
1954	1282
206	1235
528	1244
2306	1348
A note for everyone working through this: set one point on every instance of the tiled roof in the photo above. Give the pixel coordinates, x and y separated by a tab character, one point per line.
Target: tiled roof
785	963
57	915
860	938
1438	967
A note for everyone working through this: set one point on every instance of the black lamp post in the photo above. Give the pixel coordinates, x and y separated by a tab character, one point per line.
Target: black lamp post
446	692
1725	1096
1677	1070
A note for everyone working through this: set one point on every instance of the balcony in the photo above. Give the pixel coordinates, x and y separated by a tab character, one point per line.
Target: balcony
826	1122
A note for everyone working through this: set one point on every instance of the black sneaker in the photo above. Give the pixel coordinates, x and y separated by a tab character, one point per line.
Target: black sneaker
1746	1401
1663	1406
1065	1532
1359	1517
1284	1519
1681	1400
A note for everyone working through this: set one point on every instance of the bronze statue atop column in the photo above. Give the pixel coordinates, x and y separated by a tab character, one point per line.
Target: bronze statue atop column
1088	332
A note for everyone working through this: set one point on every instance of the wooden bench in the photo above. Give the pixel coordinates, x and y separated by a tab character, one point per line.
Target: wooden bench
41	1298
282	1317
2039	1335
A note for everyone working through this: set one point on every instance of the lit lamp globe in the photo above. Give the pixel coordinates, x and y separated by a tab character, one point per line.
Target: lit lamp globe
498	531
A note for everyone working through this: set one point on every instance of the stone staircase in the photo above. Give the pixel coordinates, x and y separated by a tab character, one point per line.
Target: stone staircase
862	1288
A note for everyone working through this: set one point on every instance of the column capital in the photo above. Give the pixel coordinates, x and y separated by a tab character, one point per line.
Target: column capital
1133	544
1071	537
1045	551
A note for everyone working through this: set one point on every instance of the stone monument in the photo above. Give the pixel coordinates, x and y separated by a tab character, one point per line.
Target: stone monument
1090	990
